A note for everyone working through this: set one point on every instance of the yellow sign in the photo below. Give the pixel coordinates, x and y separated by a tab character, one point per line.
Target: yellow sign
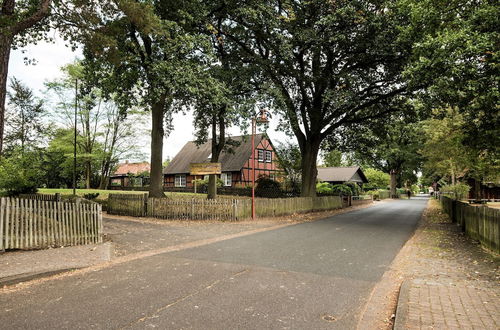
205	168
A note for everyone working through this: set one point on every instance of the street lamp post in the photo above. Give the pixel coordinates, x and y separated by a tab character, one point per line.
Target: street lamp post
260	118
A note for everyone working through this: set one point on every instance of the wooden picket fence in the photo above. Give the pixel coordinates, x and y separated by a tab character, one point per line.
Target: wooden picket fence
34	224
219	209
193	209
481	223
127	204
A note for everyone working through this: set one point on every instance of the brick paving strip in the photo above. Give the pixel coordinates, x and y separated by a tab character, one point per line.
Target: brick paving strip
295	219
447	282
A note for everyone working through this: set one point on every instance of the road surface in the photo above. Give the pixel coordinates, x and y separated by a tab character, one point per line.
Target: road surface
315	275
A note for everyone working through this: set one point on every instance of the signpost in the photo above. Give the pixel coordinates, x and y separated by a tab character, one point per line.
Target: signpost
204	169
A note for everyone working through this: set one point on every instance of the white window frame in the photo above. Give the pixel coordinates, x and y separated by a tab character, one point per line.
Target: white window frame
227	179
261	155
180	180
269	156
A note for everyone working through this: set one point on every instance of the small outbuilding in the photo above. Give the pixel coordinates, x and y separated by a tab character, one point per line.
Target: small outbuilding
130	175
340	175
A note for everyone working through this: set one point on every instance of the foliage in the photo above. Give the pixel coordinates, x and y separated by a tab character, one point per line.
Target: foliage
289	159
266	186
20	173
376	179
323	188
457	191
91	196
24	124
332	158
342	189
355	188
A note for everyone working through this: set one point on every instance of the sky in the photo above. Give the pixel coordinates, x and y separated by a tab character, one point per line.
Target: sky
50	57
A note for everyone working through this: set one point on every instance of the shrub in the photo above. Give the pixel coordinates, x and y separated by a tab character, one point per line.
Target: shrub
374	193
91	196
19	174
323	188
458	191
267	187
341	189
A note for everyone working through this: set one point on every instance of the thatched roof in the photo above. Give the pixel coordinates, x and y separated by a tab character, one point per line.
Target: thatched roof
231	161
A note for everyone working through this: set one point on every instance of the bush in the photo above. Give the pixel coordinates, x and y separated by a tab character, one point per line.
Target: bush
376	179
19	174
91	196
341	189
458	191
324	188
267	187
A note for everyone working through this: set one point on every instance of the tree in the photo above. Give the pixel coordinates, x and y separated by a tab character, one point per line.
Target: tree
225	97
376	179
390	145
289	159
20	22
24	118
140	52
329	64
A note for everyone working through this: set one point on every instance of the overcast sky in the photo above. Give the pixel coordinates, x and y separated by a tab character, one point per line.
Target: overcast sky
50	57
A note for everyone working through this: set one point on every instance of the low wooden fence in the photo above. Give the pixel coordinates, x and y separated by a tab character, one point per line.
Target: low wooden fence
269	207
195	208
127	204
219	209
481	223
362	199
33	224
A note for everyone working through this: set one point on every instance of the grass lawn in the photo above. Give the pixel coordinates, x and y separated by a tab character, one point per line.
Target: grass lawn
103	194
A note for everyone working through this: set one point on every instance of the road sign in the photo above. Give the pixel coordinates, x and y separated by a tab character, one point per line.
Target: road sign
205	168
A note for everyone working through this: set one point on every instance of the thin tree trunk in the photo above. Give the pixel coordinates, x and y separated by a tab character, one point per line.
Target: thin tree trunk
5	44
217	147
394	180
310	150
157	132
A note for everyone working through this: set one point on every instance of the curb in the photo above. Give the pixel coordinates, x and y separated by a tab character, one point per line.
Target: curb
402	307
16	279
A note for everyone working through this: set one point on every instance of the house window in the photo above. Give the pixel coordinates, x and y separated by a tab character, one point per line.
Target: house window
260	155
269	156
180	180
226	179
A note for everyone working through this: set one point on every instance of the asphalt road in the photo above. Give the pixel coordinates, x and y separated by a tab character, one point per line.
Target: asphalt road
289	278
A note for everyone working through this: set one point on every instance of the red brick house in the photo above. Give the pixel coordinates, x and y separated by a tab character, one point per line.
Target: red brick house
236	163
130	175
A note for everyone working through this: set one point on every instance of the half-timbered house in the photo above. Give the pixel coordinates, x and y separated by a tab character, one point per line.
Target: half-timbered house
236	162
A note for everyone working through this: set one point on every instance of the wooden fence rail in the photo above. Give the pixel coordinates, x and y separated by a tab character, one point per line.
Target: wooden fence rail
32	224
42	197
481	223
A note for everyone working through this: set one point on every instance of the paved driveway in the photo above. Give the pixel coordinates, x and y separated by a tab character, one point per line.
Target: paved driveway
314	275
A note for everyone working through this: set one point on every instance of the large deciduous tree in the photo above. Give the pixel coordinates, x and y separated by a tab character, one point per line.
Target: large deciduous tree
328	63
140	52
21	21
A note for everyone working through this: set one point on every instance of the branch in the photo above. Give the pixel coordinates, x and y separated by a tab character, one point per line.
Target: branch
42	11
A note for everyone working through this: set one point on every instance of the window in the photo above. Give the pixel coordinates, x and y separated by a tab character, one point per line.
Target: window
260	155
226	179
180	180
269	156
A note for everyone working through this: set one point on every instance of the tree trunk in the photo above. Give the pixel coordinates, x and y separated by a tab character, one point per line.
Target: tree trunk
88	173
5	44
394	180
217	147
157	132
310	151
